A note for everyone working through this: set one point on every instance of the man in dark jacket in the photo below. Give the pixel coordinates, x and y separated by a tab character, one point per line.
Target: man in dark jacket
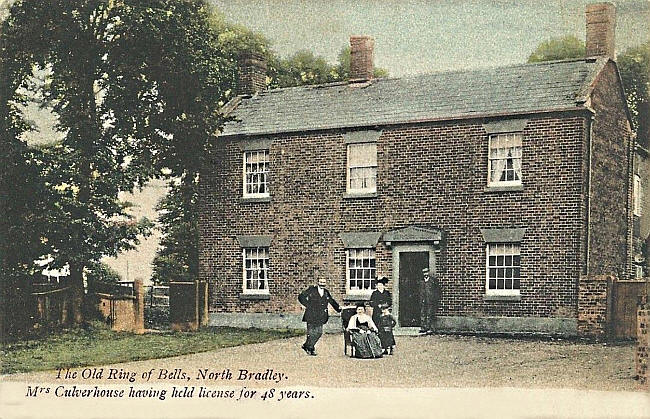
430	293
316	298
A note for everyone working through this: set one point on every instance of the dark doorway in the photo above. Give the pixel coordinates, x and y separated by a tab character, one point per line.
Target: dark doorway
410	275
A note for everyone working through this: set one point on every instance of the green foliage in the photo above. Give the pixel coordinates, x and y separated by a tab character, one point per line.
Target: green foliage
634	66
135	87
177	258
98	345
101	272
562	48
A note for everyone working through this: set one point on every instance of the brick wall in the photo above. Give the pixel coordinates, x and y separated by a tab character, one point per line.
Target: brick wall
430	175
593	305
643	339
611	191
126	312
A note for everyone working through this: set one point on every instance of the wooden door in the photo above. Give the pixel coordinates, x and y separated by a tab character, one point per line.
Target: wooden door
625	298
410	275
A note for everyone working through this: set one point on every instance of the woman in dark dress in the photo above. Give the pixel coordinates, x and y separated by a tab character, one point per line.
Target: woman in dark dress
380	298
363	333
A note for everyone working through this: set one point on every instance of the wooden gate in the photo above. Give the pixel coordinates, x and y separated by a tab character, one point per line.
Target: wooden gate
188	305
625	296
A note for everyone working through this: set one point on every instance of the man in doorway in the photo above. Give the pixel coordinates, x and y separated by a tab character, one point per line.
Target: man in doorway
316	298
429	296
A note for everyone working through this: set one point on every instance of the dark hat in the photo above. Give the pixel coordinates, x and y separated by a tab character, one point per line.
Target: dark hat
383	280
360	304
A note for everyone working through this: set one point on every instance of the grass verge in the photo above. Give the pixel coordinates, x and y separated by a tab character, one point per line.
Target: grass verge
96	345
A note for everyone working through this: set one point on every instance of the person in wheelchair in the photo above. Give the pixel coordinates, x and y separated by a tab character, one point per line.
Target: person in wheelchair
363	334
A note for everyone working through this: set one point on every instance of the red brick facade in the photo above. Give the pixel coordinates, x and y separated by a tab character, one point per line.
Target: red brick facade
432	175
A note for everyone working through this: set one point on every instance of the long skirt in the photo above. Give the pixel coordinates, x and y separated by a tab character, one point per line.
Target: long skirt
366	345
387	339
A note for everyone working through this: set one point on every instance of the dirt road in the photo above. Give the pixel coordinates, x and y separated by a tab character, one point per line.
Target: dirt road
426	361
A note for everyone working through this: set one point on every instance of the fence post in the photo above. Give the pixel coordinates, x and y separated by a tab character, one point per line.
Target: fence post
643	337
138	309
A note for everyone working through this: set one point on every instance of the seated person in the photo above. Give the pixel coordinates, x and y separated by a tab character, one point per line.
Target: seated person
363	334
361	321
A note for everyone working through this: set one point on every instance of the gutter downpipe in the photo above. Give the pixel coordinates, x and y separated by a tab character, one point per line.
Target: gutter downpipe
590	133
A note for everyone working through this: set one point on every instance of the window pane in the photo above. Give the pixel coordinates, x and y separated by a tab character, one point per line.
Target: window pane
503	264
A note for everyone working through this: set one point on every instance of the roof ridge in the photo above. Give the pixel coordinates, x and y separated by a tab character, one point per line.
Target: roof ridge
447	71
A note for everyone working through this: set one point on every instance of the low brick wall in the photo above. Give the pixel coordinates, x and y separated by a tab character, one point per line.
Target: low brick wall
125	313
643	337
594	305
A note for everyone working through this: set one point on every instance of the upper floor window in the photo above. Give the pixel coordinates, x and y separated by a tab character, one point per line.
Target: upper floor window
361	270
256	173
256	270
504	159
637	195
503	268
362	168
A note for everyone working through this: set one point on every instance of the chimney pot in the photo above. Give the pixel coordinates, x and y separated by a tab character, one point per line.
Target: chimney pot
252	73
361	58
601	23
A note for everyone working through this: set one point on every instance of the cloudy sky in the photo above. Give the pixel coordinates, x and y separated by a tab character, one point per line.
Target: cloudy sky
416	36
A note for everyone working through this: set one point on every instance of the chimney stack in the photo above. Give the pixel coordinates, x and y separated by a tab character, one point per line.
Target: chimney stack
601	22
361	58
252	73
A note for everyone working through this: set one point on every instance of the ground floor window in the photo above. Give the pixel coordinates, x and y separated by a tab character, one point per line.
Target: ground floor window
503	268
361	270
256	269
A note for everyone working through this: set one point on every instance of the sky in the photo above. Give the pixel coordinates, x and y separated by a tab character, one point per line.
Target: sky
417	36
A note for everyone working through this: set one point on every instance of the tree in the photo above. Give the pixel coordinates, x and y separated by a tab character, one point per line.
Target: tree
558	49
135	85
177	258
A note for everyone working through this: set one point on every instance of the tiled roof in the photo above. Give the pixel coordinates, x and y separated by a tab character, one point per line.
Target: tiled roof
514	89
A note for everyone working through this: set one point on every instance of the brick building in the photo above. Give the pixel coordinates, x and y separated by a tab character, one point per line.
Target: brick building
508	183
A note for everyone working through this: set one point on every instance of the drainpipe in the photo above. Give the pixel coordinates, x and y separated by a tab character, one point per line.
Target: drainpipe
590	133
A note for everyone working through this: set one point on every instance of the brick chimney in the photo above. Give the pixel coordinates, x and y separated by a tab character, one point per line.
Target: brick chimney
361	58
252	74
601	22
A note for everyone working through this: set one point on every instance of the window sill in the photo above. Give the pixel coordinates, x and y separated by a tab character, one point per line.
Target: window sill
359	195
256	297
253	199
508	188
356	297
514	297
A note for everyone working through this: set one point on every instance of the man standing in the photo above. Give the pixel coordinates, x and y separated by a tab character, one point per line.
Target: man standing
316	299
429	296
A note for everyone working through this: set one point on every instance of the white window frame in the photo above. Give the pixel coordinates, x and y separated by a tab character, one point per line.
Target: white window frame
367	190
637	195
638	271
372	271
264	269
493	137
512	266
265	173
